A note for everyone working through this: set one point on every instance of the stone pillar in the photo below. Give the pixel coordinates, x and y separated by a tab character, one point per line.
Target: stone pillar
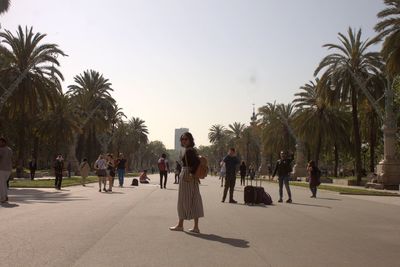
389	168
299	169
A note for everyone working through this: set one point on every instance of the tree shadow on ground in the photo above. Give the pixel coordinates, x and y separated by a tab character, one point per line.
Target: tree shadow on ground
239	243
31	196
311	205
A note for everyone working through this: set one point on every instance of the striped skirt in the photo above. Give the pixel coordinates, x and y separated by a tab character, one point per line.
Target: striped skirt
190	205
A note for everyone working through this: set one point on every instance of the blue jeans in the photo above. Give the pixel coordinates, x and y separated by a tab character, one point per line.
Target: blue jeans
284	179
121	174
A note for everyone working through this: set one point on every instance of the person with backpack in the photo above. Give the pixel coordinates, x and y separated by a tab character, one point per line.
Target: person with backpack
231	161
243	171
84	169
163	168
190	204
284	168
314	175
58	171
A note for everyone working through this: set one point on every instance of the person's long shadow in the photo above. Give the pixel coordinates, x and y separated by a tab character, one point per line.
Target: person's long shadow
37	195
311	205
9	205
234	242
327	198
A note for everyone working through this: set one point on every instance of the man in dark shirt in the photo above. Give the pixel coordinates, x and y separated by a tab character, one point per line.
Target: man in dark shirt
231	161
284	168
58	170
121	166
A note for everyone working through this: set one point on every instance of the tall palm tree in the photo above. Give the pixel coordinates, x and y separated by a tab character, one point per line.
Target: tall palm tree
217	136
93	105
351	60
32	67
138	136
276	127
4	6
389	29
316	119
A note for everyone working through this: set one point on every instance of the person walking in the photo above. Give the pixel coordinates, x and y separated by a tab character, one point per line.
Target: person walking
222	172
32	168
190	204
243	171
84	169
121	168
231	161
110	171
5	169
58	171
163	168
101	168
284	168
69	169
178	169
314	175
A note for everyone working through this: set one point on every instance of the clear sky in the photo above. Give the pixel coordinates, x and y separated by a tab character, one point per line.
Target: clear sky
186	63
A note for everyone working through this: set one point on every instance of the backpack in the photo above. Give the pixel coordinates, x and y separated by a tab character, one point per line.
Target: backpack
202	169
161	165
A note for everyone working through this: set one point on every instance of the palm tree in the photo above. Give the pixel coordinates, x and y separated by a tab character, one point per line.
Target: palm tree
32	68
217	136
4	6
317	119
93	104
389	28
138	136
351	60
276	129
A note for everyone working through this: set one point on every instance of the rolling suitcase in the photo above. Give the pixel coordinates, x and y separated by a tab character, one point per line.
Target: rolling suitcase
256	194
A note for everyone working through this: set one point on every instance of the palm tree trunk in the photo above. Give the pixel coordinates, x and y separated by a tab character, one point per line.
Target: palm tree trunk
336	151
372	143
357	137
318	149
72	154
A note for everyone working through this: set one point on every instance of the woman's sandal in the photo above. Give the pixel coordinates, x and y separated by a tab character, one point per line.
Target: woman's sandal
176	228
196	231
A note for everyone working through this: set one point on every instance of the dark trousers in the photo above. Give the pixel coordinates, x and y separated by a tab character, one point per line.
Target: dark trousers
58	181
177	178
242	179
163	174
284	180
229	185
33	174
313	190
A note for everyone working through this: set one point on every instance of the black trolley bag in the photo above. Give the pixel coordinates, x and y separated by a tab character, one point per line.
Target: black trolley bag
256	194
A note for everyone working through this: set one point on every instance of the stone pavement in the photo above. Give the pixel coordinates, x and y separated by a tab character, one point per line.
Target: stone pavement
79	226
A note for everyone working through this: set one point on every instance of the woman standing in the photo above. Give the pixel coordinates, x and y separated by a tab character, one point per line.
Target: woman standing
314	175
243	171
110	171
101	168
190	204
84	169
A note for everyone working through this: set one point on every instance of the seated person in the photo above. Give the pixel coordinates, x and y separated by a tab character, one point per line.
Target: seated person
143	177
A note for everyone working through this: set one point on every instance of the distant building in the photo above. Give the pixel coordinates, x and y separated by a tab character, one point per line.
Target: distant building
178	133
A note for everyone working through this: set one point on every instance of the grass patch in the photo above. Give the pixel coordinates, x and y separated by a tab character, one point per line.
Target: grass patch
49	183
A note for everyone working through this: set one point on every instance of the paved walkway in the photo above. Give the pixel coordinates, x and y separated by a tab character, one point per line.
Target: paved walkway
79	226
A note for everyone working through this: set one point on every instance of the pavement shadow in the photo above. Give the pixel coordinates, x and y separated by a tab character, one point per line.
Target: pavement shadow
250	205
9	205
327	198
234	242
31	196
311	205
